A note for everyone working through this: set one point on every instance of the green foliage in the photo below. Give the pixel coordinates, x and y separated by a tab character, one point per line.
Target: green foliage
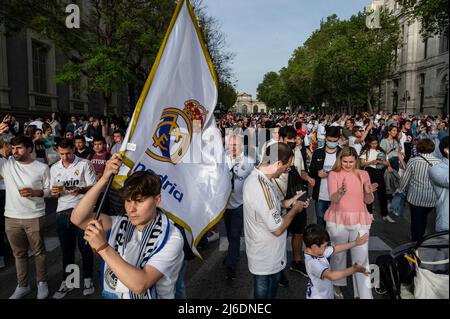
433	15
116	44
227	96
340	64
273	91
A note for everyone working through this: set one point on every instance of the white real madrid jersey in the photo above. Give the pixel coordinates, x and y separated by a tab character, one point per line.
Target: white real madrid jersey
80	173
266	252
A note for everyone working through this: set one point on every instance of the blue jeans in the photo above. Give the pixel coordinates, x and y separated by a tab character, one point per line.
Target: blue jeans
266	286
321	208
234	222
68	235
180	288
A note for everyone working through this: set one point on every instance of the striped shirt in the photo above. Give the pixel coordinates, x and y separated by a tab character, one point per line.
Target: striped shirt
416	183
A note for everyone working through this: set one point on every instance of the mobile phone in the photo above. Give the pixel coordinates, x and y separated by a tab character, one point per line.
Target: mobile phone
304	197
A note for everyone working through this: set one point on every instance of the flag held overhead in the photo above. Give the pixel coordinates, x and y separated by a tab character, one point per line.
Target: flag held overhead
171	125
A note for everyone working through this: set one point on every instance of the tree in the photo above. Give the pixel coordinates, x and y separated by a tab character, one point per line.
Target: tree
227	96
114	46
432	14
221	57
341	65
272	91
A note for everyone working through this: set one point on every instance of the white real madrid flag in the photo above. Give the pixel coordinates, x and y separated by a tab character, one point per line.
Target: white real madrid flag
173	132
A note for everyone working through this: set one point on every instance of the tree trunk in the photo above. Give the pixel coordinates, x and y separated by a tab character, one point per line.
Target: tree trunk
132	96
107	99
369	103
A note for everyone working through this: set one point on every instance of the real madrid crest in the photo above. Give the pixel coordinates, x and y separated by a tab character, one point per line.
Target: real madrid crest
110	278
172	136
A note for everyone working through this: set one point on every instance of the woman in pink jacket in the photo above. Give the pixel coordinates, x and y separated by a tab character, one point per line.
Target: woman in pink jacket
350	190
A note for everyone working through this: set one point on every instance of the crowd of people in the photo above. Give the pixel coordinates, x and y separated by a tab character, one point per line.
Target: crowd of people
345	162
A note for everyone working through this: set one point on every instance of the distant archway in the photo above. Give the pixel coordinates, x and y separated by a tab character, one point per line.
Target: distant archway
255	108
244	109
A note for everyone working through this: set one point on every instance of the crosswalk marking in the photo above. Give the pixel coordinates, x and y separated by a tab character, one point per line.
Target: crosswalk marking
375	244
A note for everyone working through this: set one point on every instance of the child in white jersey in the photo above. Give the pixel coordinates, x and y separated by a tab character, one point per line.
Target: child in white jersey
321	277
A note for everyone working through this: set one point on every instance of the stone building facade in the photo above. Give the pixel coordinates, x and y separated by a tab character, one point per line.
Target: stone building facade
419	83
28	87
246	105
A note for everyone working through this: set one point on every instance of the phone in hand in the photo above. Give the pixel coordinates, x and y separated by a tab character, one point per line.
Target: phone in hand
304	197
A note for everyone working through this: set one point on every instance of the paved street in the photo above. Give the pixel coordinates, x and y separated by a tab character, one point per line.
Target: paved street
206	278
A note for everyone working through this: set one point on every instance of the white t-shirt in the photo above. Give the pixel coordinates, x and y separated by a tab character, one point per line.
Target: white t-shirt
356	146
242	168
318	288
16	175
372	156
328	164
321	132
168	260
266	253
37	123
80	173
403	140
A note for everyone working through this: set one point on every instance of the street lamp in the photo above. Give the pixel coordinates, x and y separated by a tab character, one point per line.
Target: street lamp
406	98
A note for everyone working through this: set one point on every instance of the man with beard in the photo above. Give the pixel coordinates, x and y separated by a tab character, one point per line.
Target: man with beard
27	182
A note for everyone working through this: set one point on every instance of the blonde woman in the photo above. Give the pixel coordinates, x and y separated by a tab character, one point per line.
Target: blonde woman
350	190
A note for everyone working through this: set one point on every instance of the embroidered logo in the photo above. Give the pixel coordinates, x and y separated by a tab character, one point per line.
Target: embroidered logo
276	217
110	279
172	136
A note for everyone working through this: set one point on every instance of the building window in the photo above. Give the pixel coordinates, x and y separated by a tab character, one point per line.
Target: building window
422	79
443	45
425	48
422	99
395	102
76	91
39	67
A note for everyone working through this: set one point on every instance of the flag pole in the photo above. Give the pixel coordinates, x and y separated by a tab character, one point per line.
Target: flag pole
99	208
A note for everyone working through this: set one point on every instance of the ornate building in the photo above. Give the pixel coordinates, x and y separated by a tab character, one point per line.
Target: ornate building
420	80
28	86
245	104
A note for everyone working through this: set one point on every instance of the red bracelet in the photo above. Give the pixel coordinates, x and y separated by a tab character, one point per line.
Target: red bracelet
105	245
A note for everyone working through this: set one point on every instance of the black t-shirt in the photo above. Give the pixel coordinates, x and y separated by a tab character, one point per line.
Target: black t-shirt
408	145
39	149
87	154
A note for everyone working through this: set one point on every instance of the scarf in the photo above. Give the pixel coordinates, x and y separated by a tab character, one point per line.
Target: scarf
137	253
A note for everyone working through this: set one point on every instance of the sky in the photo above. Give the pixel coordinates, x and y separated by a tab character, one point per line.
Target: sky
263	34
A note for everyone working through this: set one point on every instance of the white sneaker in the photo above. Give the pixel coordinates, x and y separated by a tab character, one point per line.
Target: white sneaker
89	288
213	237
388	219
62	291
2	262
42	290
338	292
20	292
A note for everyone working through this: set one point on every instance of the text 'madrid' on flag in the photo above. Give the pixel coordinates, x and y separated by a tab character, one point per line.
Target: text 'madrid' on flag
173	132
